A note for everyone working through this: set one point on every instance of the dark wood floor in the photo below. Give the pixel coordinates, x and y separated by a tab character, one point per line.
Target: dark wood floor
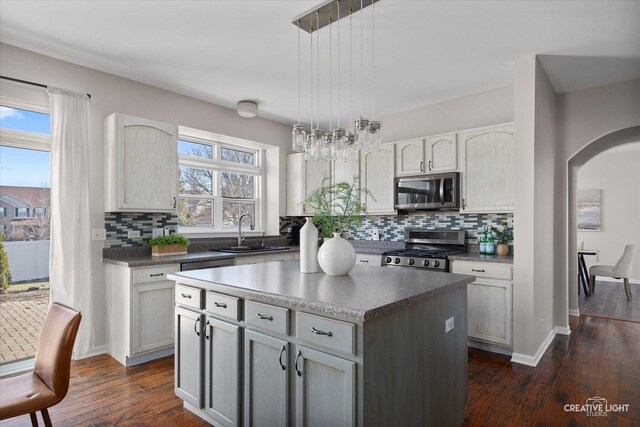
610	301
600	358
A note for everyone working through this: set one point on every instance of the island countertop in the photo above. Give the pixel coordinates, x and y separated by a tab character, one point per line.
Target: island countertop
365	294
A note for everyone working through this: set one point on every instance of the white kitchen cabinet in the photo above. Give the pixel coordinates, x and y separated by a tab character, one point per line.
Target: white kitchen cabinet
489	303
370	260
325	389
222	371
139	312
266	381
410	157
303	177
142	165
345	171
487	169
441	153
259	259
377	173
189	356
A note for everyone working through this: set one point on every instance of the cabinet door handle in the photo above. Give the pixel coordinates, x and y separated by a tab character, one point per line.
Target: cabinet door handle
429	164
206	328
421	166
263	317
463	204
304	208
319	332
477	271
195	326
156	275
220	304
175	202
187	296
284	348
298	371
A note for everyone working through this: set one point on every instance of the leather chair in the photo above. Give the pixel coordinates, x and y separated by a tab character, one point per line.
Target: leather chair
622	270
48	384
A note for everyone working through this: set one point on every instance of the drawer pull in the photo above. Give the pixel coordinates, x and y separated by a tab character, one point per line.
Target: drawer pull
187	296
319	332
284	348
364	260
156	275
263	317
206	328
298	371
477	271
220	304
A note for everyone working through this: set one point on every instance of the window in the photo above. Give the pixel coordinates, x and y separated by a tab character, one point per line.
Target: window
22	213
218	183
3	212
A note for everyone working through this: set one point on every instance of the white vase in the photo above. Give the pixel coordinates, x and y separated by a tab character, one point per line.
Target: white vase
336	256
308	248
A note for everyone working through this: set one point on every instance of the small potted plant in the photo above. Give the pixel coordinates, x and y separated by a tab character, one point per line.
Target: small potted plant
503	237
170	244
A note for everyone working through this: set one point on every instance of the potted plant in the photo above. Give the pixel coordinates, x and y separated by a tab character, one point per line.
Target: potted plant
170	244
337	207
503	237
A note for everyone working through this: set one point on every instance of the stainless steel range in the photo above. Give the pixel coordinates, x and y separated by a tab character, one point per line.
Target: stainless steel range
428	249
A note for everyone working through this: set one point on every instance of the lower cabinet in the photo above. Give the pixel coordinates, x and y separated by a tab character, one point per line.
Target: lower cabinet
265	258
189	356
152	328
325	389
266	381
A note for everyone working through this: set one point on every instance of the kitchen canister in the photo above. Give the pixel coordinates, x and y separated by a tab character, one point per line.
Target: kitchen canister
308	248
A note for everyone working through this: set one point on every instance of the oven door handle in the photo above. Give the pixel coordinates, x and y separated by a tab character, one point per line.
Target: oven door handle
442	191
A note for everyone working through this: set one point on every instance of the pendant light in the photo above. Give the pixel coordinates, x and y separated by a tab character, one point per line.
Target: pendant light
339	134
374	125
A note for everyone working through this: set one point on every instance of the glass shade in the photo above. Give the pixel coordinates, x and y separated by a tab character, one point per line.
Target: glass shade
328	148
298	138
361	134
373	139
350	154
311	149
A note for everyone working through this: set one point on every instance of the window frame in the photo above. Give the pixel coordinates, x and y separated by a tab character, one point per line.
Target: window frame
218	166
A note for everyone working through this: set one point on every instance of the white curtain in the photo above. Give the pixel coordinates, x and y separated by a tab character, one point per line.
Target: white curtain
70	260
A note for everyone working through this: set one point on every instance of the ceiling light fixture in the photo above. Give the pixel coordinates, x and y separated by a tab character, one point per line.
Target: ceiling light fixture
248	109
336	142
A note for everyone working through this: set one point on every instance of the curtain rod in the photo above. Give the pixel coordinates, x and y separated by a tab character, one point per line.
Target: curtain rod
29	83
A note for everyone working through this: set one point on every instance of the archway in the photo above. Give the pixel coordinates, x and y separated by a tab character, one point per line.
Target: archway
586	153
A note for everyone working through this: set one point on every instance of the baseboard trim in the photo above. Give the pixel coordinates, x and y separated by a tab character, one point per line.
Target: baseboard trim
494	348
132	361
562	330
95	351
575	312
525	359
17	367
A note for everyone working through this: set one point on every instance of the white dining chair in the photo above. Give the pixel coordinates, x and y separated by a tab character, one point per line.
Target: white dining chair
621	270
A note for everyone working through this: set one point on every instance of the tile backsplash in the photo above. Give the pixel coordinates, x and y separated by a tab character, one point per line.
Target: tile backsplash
118	224
392	227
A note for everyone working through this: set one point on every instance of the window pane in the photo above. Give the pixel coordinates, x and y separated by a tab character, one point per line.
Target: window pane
195	212
17	119
195	149
25	168
196	181
231	211
237	185
237	156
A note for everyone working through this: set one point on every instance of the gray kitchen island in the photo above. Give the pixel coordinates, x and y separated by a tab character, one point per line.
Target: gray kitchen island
264	345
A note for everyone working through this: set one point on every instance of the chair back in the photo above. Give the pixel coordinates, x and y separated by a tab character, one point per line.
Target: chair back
53	356
623	266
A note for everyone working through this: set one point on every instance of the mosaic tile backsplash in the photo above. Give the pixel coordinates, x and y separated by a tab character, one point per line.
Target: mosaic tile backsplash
392	227
118	224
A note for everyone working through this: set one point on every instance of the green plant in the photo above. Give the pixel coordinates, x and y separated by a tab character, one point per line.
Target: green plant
5	275
505	235
337	206
169	239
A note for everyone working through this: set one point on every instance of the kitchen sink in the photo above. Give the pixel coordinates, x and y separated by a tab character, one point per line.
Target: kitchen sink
245	249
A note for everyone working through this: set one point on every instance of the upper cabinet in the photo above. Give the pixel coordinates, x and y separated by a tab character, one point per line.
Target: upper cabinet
410	157
441	153
377	173
302	178
142	165
486	156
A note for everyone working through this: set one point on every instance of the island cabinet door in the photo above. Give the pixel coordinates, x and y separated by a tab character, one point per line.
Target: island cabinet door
325	389
222	371
189	356
266	381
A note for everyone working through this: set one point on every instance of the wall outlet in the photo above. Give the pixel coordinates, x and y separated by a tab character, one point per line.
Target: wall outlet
156	232
448	325
99	234
375	234
133	234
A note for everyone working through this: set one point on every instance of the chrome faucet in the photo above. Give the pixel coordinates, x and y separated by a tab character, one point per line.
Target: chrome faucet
240	236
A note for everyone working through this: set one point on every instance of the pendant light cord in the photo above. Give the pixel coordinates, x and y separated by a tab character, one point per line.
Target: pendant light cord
351	69
311	78
299	73
330	78
373	61
318	70
361	60
339	86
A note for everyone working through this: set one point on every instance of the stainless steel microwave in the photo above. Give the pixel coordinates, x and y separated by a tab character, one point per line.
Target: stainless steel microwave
425	192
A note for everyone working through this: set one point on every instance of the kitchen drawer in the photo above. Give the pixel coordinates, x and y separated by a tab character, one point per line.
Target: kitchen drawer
278	257
153	274
223	305
369	259
483	269
191	297
324	332
267	317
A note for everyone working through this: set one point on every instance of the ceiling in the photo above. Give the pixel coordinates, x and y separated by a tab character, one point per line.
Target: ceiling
426	51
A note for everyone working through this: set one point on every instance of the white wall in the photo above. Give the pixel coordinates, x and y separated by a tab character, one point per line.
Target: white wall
115	94
28	260
617	173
